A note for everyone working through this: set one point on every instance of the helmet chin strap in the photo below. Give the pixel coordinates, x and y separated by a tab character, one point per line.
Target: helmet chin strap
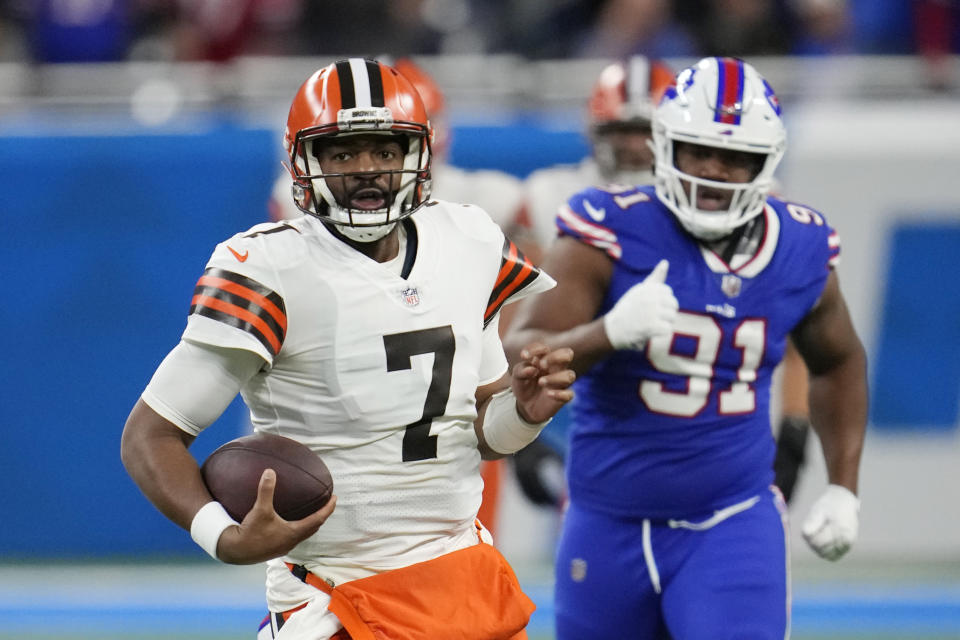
365	234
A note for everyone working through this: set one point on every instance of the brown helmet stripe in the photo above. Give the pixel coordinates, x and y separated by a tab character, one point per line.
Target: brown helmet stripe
348	97
361	83
376	84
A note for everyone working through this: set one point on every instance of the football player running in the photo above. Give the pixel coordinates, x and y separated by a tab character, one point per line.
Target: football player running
498	193
619	113
366	330
678	300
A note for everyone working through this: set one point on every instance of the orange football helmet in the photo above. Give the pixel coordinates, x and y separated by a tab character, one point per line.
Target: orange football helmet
433	100
351	97
627	93
432	97
622	101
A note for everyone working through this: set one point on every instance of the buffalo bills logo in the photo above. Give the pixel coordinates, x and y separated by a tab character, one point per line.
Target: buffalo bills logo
679	85
771	97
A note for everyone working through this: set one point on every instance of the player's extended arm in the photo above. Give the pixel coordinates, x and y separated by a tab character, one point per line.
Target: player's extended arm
154	452
512	411
566	316
838	411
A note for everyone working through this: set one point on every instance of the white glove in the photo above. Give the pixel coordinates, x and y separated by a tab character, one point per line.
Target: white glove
647	309
831	526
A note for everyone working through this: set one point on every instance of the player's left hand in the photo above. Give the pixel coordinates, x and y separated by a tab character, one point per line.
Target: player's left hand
541	381
832	524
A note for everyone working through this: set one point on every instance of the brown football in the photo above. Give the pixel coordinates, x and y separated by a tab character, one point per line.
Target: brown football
232	474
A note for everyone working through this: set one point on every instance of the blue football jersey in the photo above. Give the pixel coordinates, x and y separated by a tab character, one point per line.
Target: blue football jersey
683	427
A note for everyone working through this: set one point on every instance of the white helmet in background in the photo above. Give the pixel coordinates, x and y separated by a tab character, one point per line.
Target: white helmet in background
722	103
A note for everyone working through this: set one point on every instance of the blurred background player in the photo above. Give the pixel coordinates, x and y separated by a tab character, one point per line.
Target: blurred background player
619	110
619	113
677	300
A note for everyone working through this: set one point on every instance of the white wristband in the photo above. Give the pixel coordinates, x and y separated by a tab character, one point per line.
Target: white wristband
503	428
207	525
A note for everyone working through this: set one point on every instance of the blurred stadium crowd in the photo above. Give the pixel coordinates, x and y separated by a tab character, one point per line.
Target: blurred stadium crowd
218	30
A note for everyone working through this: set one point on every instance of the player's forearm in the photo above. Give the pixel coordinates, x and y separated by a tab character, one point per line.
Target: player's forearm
838	407
156	457
795	385
589	343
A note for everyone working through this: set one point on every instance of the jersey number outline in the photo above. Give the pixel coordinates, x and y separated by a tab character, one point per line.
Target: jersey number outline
418	444
749	338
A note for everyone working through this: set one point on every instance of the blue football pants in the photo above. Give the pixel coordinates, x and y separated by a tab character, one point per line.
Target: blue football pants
647	580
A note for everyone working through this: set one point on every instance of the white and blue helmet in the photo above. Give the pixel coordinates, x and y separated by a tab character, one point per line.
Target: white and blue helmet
724	103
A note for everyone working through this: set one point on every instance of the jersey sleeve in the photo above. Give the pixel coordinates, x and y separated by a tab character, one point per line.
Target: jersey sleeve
833	248
237	301
196	383
517	278
493	361
586	217
817	243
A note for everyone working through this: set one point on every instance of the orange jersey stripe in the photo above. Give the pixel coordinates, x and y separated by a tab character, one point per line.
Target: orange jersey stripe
249	294
509	281
242	314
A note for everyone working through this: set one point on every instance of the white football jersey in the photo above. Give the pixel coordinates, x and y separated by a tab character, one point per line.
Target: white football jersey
374	370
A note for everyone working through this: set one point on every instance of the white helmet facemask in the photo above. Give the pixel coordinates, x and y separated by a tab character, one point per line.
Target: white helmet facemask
722	103
361	225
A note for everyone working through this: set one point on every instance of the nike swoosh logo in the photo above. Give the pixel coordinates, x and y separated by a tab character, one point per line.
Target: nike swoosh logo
593	212
242	257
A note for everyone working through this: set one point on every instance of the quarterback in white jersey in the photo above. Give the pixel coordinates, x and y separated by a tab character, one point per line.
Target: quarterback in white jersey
340	336
366	330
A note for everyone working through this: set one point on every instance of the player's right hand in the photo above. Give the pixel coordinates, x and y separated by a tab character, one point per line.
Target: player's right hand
647	309
833	522
263	534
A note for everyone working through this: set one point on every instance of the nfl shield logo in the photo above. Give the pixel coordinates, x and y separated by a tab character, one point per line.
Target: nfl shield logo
731	285
410	296
578	569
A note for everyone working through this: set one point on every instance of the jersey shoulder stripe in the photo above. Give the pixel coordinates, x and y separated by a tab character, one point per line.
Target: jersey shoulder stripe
833	243
243	303
261	231
575	224
516	273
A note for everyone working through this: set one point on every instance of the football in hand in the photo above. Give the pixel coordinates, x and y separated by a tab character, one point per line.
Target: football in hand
232	475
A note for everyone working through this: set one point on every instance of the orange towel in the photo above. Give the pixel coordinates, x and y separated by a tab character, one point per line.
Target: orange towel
470	594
